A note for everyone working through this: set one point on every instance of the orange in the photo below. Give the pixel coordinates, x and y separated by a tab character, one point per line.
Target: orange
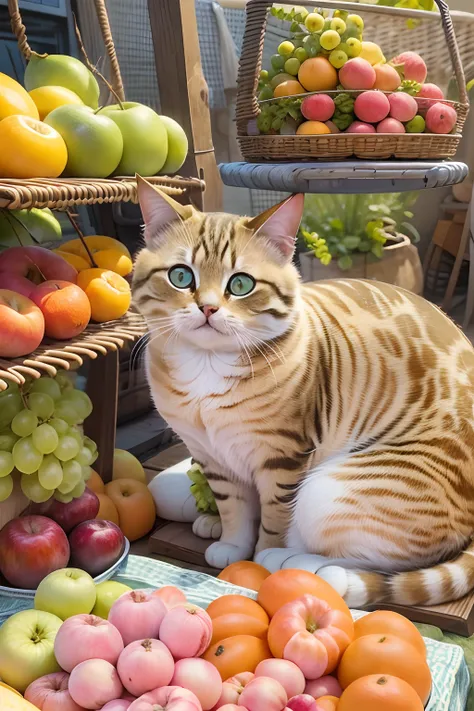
287	585
15	100
312	128
135	506
317	74
65	308
95	483
386	622
385	654
109	294
245	573
108	510
236	604
328	703
237	654
30	149
234	623
107	252
288	88
48	98
377	692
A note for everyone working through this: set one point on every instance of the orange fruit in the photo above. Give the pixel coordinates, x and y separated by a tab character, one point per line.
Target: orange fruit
109	294
245	573
48	98
108	510
288	88
287	585
386	622
385	654
312	128
230	625
95	483
317	74
236	604
30	149
15	100
379	691
328	703
237	654
65	307
135	506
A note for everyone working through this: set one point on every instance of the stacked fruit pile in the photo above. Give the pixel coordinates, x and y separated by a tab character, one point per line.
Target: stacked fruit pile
295	648
357	90
56	128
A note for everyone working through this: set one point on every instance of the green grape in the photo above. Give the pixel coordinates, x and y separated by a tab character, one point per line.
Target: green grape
72	475
48	386
67	410
285	49
41	404
86	472
78	490
63	498
301	54
10	405
45	438
76	434
277	61
95	456
64	381
50	473
85	457
61	426
7	440
6	487
26	457
6	464
90	444
80	400
33	490
12	388
292	66
24	423
67	448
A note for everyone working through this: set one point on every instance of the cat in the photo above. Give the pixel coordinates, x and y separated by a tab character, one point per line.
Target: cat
333	421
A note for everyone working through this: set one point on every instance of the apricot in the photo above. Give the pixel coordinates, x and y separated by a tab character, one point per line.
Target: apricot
108	293
107	252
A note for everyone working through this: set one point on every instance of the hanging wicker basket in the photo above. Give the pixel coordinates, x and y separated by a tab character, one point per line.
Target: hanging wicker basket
376	146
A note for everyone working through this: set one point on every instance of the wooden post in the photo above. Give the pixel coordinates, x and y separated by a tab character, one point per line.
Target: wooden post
184	95
102	388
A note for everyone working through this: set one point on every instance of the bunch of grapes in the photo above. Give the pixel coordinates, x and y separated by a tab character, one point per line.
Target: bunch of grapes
42	443
200	489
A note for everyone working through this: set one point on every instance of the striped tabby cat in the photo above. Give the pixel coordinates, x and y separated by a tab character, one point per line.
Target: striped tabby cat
335	419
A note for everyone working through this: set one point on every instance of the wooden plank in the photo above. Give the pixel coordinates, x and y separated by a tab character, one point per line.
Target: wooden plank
177	541
168	458
102	388
184	95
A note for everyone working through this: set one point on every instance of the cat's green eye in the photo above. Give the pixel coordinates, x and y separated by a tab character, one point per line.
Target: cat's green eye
181	276
241	284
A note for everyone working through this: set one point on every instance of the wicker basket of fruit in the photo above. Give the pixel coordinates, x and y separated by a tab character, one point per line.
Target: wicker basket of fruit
331	95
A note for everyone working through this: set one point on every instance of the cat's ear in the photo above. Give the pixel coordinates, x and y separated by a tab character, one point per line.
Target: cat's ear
158	209
279	225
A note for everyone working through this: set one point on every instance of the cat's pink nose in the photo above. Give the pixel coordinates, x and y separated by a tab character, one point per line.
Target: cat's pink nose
208	310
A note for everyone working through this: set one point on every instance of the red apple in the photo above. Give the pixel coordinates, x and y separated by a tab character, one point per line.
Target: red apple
75	512
16	283
35	265
65	307
21	325
96	546
31	547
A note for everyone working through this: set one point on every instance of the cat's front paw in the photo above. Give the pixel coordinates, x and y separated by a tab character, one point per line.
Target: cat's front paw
208	526
220	554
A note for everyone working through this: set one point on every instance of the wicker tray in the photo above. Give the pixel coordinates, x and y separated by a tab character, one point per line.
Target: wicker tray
340	146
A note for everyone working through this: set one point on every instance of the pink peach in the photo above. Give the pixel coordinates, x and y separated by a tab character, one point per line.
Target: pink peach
387	78
318	107
263	693
232	688
428	95
357	73
288	674
171	596
360	127
137	615
390	125
200	677
128	697
93	683
403	107
232	707
371	106
411	66
324	686
303	702
168	698
308	653
50	693
16	283
145	665
441	118
186	630
117	705
85	637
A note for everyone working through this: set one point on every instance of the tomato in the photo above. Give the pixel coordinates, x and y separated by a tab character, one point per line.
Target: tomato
386	622
238	604
245	573
376	692
230	625
242	653
287	585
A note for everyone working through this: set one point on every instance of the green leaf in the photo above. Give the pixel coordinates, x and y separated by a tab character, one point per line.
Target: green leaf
377	250
344	263
351	242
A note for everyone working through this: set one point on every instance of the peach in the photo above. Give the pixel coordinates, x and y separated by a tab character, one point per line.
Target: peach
36	264
263	693
85	637
137	615
117	705
324	686
403	107
357	73
232	688
171	596
94	683
21	325
128	697
307	652
109	293
145	665
232	707
288	674
16	283
411	66
168	698
186	630
302	702
200	677
386	78
360	127
440	118
318	107
65	307
371	106
427	96
390	125
50	693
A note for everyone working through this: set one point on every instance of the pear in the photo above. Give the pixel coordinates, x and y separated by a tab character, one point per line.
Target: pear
62	70
33	226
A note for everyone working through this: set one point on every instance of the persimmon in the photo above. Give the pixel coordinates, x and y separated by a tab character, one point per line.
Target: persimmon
386	622
236	604
287	585
385	654
245	573
379	691
135	506
108	510
230	625
95	483
328	703
237	654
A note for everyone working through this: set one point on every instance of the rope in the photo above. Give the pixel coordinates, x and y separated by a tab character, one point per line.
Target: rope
104	24
19	29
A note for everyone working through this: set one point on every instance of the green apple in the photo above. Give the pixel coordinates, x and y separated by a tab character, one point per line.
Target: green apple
27	647
94	142
107	594
23	227
61	70
177	146
66	592
145	138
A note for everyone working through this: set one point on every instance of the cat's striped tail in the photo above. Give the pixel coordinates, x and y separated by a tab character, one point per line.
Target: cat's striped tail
428	586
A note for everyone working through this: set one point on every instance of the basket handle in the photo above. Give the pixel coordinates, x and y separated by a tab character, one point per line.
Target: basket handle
102	16
448	28
19	29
